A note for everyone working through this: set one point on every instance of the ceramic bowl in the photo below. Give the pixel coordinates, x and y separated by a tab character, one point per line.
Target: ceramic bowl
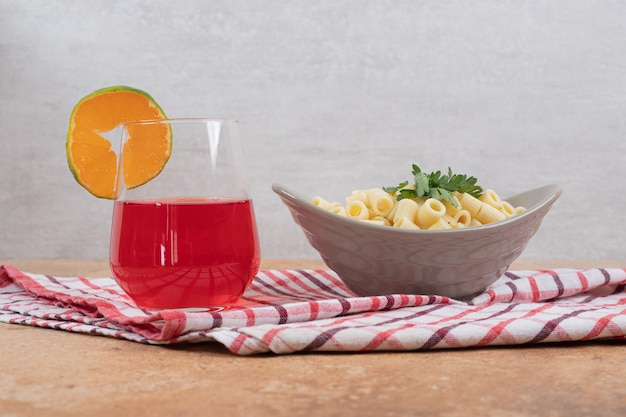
457	263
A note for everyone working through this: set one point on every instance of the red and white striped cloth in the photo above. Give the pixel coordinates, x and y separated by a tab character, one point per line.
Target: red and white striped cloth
286	311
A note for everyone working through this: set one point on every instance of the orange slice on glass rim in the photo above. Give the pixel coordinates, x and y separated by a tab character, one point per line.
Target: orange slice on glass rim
95	124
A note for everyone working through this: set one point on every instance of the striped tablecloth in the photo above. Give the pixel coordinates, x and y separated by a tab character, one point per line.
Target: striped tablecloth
287	311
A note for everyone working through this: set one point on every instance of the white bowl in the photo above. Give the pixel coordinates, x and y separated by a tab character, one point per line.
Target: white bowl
457	263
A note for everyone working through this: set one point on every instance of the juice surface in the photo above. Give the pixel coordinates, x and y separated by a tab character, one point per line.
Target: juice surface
184	253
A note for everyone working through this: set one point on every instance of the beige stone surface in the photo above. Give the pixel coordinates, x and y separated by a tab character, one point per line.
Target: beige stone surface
53	373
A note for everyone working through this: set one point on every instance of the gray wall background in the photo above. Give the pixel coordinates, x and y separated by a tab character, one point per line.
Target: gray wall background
517	93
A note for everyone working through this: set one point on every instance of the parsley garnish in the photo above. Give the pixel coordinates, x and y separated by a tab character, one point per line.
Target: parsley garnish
437	186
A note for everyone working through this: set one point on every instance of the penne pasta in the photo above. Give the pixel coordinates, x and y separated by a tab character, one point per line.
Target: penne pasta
320	202
489	214
357	195
405	223
392	213
491	197
507	209
450	220
380	202
462	217
377	206
470	203
451	208
375	221
406	208
385	220
357	210
429	213
339	209
475	223
440	224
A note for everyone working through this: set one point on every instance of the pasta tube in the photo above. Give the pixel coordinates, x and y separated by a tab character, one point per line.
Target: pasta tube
358	210
451	209
380	202
338	209
320	202
385	220
406	208
440	224
492	198
357	195
507	209
462	217
405	223
489	214
375	221
470	203
429	213
392	213
475	223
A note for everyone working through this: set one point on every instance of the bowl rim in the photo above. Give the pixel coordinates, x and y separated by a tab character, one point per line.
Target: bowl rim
298	198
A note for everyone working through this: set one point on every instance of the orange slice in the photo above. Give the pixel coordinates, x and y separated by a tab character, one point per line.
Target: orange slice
91	156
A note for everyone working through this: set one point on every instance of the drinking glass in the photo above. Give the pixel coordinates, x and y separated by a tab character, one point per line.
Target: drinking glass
187	238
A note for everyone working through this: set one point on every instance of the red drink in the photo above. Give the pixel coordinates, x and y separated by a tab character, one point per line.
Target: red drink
185	252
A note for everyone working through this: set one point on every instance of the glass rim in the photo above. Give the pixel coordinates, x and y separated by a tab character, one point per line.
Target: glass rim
181	120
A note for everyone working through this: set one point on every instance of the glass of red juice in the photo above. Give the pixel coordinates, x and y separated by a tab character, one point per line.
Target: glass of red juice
187	238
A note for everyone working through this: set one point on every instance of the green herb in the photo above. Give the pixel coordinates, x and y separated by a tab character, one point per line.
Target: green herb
437	186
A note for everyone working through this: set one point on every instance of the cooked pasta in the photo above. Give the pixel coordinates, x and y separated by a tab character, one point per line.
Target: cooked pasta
377	206
489	214
375	221
338	209
357	195
385	221
429	213
490	197
405	223
440	224
507	209
451	208
320	202
470	203
407	209
462	218
475	223
380	202
358	210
